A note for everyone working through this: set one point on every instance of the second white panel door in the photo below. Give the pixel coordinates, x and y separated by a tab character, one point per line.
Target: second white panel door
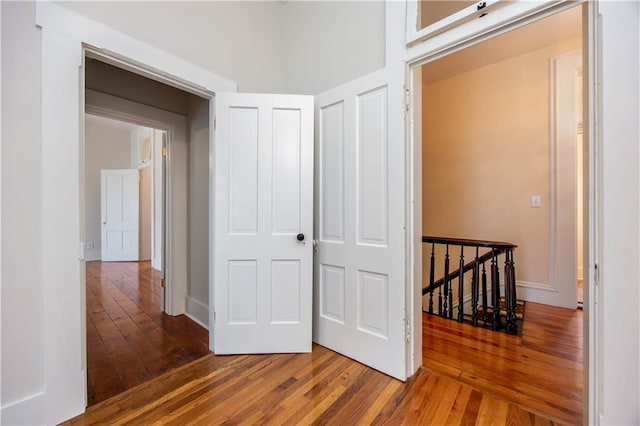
359	305
120	220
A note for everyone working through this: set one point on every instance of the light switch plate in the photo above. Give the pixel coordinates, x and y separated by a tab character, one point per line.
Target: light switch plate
536	201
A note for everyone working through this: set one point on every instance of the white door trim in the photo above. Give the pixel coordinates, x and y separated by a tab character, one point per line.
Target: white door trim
64	36
506	19
563	217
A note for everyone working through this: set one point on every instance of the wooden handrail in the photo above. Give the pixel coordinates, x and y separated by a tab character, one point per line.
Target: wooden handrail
467	242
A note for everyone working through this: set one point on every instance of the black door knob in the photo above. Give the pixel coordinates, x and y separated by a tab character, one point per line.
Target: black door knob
300	237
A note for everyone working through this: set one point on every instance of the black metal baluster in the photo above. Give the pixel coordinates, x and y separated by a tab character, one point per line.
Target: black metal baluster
461	286
484	294
431	277
450	297
446	283
510	294
495	290
475	286
500	312
514	299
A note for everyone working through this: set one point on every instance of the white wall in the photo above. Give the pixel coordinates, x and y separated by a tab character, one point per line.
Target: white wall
106	147
239	40
264	46
619	294
198	288
22	319
327	43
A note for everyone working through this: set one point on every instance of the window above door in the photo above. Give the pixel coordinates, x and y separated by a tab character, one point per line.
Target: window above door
428	19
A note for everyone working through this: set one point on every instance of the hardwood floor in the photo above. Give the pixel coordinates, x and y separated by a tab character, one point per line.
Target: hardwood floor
542	370
129	339
471	376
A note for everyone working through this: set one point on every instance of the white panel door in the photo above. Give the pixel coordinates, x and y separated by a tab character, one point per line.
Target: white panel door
120	206
263	223
359	297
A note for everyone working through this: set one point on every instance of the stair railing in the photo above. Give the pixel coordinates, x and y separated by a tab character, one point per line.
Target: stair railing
488	314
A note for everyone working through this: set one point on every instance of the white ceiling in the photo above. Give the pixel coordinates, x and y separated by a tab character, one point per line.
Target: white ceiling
554	29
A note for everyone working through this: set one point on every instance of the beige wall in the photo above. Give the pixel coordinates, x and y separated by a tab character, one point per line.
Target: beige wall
486	151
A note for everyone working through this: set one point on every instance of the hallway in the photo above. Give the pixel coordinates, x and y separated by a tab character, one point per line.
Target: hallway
129	339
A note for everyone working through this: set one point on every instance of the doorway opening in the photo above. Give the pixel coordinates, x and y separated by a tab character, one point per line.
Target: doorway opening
500	164
146	214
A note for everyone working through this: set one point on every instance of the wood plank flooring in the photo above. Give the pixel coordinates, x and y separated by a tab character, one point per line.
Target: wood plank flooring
318	388
470	376
129	339
542	370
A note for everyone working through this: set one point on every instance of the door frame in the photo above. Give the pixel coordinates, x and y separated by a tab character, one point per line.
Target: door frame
121	109
64	36
175	259
462	36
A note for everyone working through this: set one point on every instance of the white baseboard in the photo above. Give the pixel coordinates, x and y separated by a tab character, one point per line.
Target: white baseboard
525	290
29	411
156	264
466	301
94	254
542	293
198	311
536	286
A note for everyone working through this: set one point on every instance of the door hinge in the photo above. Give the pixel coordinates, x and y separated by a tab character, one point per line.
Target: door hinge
215	123
407	99
214	315
80	251
407	330
162	283
596	283
164	151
